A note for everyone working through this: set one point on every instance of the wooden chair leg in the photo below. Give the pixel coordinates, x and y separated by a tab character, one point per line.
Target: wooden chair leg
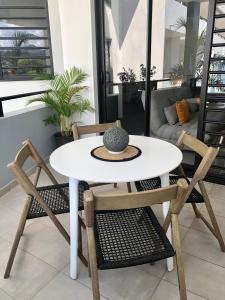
179	260
19	233
93	263
129	187
80	246
115	185
89	268
212	216
196	211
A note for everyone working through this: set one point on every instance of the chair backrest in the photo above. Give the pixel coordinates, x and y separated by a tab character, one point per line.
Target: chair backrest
89	129
207	154
174	193
28	151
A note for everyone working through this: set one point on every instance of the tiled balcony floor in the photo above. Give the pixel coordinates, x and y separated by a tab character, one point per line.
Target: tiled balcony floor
40	270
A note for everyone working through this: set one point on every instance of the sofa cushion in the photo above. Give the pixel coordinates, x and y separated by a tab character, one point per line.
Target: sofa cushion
171	114
162	98
172	132
182	109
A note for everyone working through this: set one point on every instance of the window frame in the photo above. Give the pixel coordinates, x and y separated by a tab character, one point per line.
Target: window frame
25	76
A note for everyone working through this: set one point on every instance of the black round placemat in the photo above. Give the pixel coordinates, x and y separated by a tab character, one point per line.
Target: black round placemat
130	153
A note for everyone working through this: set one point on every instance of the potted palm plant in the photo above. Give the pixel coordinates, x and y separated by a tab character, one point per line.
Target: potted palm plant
64	98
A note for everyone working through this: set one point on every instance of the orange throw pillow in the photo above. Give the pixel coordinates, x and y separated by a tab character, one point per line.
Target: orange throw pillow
182	111
198	100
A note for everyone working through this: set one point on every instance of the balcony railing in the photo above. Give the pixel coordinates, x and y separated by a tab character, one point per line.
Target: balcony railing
7	98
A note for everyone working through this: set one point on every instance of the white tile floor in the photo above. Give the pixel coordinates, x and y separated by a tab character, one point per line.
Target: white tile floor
41	267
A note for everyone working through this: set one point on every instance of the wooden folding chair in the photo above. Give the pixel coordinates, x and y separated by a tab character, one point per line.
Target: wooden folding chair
122	231
97	128
41	201
193	196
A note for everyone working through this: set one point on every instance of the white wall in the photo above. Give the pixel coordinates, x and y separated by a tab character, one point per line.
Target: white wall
56	36
77	43
158	36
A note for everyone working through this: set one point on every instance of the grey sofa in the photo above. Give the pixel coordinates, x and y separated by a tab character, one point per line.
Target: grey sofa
160	128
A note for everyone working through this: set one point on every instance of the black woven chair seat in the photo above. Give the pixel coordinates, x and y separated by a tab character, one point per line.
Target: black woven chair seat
57	198
155	183
129	237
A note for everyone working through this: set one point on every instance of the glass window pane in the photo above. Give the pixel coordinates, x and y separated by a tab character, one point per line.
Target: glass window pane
23	23
24	52
26	61
22	13
178	46
125	61
12	33
24	41
220	9
26	73
22	2
219	23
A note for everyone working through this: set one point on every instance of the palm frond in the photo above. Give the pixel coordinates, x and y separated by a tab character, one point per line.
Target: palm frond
48	100
181	23
53	119
201	44
65	98
68	79
82	106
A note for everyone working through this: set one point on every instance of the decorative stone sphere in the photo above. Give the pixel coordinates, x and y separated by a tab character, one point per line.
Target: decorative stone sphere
116	140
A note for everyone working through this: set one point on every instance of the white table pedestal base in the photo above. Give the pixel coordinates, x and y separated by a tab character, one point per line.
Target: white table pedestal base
165	181
73	186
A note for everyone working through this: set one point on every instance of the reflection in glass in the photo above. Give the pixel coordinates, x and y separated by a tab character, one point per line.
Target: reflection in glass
18	13
22	3
125	62
22	23
23	40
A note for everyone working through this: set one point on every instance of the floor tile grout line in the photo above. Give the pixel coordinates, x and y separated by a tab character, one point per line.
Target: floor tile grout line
33	255
90	288
203	231
57	272
44	285
5	292
153	293
188	290
157	276
43	261
203	259
143	271
38	258
75	280
188	228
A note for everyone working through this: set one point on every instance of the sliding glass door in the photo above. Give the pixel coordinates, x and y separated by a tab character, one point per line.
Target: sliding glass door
122	35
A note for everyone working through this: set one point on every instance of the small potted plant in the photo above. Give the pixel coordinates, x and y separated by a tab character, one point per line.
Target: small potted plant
64	98
143	72
128	87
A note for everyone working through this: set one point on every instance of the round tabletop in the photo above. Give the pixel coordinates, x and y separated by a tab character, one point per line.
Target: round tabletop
74	160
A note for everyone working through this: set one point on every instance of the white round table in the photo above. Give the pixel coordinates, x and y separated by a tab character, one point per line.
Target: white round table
74	160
